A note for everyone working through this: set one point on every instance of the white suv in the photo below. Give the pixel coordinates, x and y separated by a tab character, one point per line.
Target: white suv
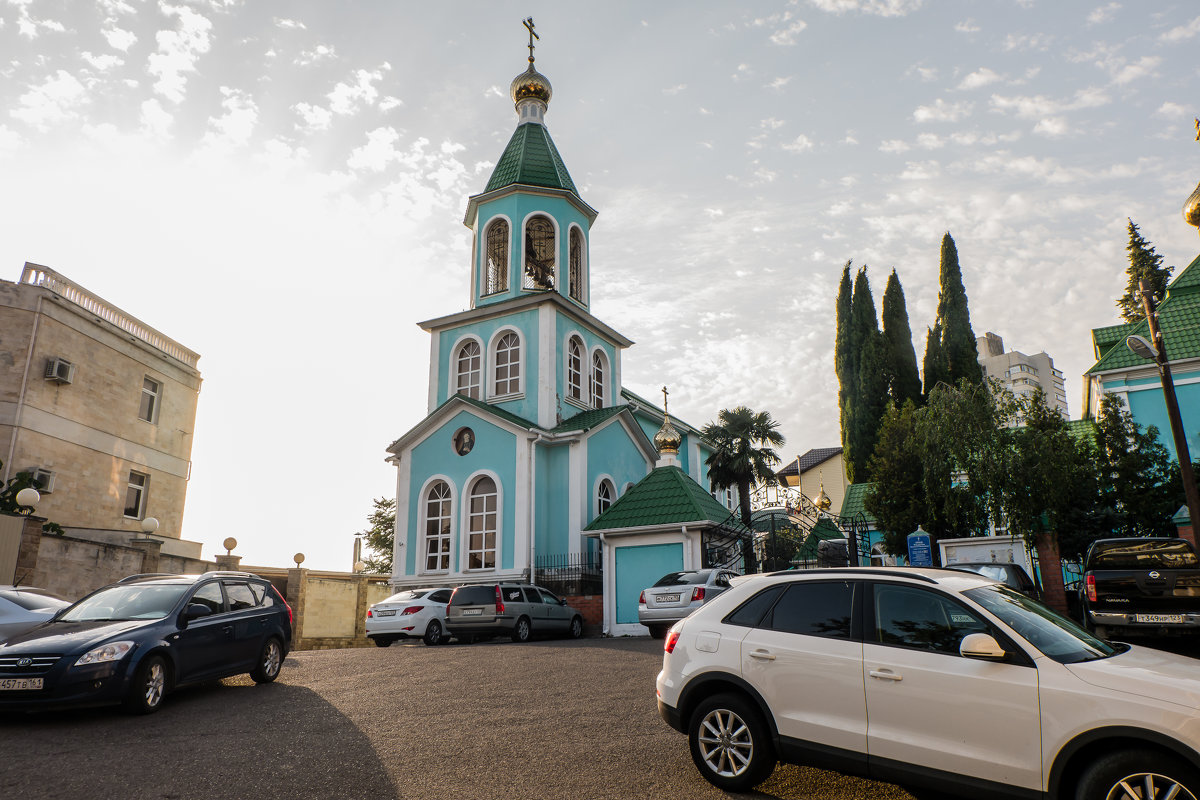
944	682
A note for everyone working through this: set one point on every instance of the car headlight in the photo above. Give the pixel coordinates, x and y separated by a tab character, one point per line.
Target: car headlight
113	651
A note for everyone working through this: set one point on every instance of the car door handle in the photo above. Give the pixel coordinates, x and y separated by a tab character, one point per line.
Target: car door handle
885	675
227	629
762	655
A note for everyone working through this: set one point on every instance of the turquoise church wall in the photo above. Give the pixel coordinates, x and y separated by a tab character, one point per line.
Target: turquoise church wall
564	326
551	512
495	450
526	322
516	207
611	452
1148	407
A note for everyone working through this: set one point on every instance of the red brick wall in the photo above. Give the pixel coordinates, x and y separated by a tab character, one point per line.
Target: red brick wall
591	606
1188	532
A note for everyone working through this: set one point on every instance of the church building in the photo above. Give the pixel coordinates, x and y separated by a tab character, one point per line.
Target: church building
529	435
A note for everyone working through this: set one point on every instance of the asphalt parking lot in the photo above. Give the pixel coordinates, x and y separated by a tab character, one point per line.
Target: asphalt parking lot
549	719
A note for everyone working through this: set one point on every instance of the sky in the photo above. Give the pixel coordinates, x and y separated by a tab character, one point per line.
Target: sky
281	186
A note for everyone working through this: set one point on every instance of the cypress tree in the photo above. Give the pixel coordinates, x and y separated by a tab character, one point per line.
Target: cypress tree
934	365
869	399
958	340
1145	263
904	383
845	363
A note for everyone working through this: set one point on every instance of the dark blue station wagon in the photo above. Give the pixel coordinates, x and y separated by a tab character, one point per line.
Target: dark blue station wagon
134	641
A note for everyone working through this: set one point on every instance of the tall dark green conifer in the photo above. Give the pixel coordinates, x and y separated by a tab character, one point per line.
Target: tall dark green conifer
845	362
933	367
1144	262
867	403
959	353
904	382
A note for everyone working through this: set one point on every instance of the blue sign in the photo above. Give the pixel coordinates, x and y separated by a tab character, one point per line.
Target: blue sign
919	552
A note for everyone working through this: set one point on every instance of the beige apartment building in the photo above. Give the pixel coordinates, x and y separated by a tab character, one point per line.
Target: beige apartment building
101	406
1020	373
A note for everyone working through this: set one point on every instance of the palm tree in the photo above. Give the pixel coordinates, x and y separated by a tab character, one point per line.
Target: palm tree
742	455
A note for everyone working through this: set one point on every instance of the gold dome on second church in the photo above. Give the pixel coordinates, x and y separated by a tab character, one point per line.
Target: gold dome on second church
531	84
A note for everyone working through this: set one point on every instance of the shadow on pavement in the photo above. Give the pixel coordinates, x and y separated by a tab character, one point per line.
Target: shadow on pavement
218	740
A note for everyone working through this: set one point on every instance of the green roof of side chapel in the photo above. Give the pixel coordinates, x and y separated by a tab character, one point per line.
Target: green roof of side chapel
531	159
666	496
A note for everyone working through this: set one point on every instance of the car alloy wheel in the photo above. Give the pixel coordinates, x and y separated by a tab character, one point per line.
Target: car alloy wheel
149	686
725	743
1138	775
730	743
433	633
1146	785
269	662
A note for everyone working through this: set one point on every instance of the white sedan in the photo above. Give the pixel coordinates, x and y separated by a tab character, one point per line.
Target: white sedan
411	614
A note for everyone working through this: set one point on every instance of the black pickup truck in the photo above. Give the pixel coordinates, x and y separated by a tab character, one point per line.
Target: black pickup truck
1141	586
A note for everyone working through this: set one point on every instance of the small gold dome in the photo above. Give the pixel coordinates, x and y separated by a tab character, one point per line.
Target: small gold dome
1191	209
667	440
822	501
531	84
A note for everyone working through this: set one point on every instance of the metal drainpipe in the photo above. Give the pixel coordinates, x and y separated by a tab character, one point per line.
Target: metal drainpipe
604	628
533	508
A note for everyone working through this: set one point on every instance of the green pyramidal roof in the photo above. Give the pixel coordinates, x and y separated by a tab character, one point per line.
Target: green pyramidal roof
1179	319
664	497
531	159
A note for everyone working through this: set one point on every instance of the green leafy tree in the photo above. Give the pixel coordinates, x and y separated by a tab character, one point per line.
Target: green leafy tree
1138	482
743	443
380	536
958	350
897	499
904	382
1144	263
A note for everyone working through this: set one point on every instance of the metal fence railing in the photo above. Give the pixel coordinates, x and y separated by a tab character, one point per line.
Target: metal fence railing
578	573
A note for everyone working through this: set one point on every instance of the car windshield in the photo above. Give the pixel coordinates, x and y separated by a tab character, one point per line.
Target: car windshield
413	594
683	578
127	602
1150	554
1051	633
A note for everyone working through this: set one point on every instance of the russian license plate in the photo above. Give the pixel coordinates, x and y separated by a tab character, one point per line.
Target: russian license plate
472	612
391	613
668	598
20	684
1156	619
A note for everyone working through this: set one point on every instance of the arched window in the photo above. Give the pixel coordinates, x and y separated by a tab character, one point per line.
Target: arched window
482	524
437	527
539	253
508	365
605	494
496	272
597	387
576	264
468	370
575	369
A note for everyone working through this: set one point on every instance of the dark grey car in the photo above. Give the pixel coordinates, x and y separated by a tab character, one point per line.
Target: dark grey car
519	610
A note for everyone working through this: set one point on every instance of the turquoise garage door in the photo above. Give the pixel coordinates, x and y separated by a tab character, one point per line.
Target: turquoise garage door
638	567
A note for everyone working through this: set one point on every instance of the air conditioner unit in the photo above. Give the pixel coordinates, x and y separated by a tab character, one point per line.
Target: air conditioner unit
59	370
43	480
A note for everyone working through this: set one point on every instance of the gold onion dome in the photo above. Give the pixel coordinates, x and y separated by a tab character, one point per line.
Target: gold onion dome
822	500
531	84
1191	209
667	440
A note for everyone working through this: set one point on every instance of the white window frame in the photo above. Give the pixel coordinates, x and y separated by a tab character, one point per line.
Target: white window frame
473	390
577	293
469	516
486	272
494	368
557	240
602	383
148	410
141	489
602	483
575	376
448	536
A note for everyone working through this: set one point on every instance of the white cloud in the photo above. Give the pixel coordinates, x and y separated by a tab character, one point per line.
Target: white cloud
941	111
787	36
389	102
290	24
235	127
979	78
54	101
881	8
154	120
1103	14
315	118
318	54
118	38
377	153
676	89
921	171
10	141
894	146
1169	109
29	27
178	51
926	74
102	62
1181	33
1127	73
967	26
1052	126
1032	41
1041	107
801	144
348	98
779	83
930	141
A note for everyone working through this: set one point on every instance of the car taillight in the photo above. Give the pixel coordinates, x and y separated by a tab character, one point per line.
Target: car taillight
285	604
642	598
1090	582
697	593
370	613
669	644
499	602
410	610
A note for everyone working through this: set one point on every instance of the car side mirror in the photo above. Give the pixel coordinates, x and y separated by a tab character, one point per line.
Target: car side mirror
981	646
562	601
195	611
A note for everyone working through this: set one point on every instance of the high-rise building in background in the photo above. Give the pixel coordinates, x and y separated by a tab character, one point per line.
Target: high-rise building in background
1020	373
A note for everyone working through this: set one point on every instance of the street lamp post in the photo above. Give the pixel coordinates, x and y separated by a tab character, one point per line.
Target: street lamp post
1156	350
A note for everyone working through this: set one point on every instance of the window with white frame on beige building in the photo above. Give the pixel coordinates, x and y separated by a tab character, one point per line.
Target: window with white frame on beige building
151	397
135	495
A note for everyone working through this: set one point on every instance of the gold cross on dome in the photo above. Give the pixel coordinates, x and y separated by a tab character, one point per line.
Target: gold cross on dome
1198	130
528	23
664	400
